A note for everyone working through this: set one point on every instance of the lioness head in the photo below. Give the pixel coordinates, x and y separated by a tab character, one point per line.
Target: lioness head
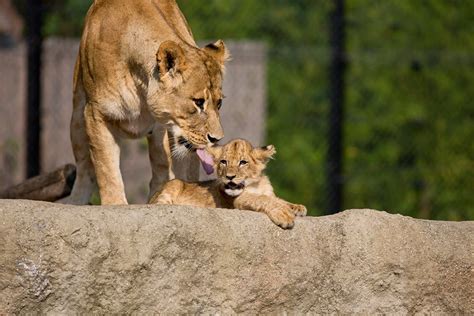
239	164
186	93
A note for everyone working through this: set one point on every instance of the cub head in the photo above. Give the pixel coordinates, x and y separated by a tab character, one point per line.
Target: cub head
185	93
239	164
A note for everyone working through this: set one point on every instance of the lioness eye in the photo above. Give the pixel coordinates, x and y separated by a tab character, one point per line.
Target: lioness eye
243	162
219	104
199	103
224	162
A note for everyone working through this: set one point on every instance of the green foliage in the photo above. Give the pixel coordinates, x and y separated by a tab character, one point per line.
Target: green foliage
409	111
409	114
66	17
62	17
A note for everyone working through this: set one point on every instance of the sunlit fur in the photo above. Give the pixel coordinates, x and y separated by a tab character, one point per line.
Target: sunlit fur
137	73
244	162
240	184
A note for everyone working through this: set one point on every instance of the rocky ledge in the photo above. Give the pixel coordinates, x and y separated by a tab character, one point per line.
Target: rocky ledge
174	259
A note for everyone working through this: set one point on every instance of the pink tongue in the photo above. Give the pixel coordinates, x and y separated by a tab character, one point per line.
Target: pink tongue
206	160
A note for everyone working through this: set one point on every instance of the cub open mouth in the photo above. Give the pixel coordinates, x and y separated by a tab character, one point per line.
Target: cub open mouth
234	186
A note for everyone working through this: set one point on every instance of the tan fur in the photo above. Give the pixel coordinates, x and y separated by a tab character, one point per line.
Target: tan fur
256	193
138	73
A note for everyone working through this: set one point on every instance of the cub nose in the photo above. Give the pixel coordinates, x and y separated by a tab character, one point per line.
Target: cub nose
213	139
230	177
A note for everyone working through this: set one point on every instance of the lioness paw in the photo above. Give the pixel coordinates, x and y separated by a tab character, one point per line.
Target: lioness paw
282	217
298	209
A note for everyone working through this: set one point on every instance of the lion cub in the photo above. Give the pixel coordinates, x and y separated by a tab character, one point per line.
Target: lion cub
240	184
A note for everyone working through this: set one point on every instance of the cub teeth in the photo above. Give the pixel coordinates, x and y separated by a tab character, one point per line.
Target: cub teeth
233	185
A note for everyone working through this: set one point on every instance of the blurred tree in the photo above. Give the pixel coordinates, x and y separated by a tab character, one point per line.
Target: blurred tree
63	17
11	24
66	17
410	107
410	117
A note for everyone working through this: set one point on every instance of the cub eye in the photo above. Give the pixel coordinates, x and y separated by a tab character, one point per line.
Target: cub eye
243	162
199	103
219	104
224	162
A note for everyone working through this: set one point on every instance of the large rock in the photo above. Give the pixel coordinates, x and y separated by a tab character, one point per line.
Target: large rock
157	259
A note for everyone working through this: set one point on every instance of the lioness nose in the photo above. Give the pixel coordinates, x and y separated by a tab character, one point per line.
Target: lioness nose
213	139
230	177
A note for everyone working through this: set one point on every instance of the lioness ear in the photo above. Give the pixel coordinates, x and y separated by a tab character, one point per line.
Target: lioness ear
264	153
218	51
171	59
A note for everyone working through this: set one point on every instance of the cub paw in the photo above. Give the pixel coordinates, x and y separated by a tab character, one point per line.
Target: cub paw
282	217
298	209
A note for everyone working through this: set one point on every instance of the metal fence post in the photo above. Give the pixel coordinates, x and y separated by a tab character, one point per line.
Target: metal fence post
336	112
33	129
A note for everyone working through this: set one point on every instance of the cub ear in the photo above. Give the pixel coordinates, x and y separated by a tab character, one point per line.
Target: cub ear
170	58
218	51
265	153
215	151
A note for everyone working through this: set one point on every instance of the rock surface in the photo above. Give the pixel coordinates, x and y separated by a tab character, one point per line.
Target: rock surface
157	259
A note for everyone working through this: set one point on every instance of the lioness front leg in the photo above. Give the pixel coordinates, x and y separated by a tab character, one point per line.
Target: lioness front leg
277	210
160	159
105	155
85	182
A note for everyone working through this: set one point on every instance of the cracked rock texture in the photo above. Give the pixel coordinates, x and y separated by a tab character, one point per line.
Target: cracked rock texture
61	259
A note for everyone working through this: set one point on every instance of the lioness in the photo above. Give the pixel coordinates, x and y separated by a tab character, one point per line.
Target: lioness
240	184
140	73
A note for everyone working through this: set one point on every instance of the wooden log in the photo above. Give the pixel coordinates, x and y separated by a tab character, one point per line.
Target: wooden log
50	186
